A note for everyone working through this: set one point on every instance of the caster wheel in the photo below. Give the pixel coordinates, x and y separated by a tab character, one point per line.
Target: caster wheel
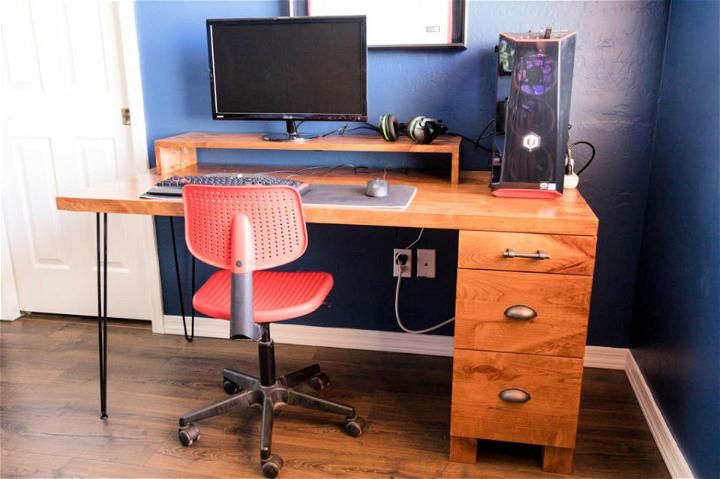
319	382
271	466
230	387
188	435
354	427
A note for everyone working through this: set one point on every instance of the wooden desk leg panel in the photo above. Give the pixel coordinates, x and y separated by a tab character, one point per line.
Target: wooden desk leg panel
557	459
455	167
463	449
475	415
169	159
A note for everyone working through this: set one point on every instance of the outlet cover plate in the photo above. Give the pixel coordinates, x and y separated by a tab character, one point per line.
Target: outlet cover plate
426	263
406	268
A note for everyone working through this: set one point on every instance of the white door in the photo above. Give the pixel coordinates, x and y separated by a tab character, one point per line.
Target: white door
63	88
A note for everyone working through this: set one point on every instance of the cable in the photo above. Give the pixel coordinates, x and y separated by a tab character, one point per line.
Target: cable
482	136
491	122
397	299
336	167
422	230
341	131
330	169
399	321
369	126
592	155
292	171
346	127
476	143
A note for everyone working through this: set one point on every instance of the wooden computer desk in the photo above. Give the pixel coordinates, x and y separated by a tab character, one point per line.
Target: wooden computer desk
521	323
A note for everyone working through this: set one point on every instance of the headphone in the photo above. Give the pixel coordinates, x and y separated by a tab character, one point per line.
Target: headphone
389	128
421	129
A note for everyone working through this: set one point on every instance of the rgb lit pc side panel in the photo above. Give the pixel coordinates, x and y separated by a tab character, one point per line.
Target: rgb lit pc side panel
534	84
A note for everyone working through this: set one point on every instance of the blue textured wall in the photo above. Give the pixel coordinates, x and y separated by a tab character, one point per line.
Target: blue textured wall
617	70
676	337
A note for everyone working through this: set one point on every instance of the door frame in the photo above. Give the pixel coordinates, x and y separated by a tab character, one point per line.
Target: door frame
9	307
133	85
150	270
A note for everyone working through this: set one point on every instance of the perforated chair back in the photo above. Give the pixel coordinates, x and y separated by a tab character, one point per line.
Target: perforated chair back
276	219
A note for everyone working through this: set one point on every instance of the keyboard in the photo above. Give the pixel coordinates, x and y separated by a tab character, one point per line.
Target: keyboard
173	186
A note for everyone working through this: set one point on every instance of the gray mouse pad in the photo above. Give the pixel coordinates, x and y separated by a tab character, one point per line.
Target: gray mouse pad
353	196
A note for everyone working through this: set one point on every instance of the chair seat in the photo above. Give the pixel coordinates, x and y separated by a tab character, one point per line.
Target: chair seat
277	295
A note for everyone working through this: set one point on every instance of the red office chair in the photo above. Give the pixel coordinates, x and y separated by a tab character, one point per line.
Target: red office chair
244	230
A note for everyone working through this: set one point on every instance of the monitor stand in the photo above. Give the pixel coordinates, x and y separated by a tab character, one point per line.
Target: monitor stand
291	134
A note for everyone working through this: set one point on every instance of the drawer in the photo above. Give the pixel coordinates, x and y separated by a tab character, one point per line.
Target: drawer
550	415
567	254
561	304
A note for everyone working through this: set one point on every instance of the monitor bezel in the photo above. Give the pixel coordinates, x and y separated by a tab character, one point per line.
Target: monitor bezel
361	116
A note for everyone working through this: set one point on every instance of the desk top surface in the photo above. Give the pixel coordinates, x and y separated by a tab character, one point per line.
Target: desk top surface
437	204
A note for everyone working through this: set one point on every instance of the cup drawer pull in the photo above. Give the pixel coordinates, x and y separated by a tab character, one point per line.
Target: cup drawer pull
520	312
514	395
540	254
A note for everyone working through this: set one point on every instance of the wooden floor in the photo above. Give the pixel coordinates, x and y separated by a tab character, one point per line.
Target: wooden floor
50	425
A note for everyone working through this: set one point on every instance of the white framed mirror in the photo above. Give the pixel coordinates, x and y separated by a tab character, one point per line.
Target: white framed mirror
398	23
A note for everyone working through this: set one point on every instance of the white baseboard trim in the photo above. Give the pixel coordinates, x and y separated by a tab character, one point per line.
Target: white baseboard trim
396	342
431	345
435	345
605	358
666	443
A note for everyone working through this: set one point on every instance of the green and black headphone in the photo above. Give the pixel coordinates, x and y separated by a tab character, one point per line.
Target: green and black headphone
421	129
389	128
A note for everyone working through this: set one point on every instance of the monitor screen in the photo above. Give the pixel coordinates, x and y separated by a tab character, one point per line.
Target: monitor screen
288	68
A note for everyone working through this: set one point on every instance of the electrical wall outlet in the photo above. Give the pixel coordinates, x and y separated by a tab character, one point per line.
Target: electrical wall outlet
426	263
400	267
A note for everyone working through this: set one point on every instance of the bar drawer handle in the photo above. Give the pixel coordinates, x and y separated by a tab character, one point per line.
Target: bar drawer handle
541	254
514	395
520	312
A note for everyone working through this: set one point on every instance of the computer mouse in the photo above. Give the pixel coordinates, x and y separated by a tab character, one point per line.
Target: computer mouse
377	188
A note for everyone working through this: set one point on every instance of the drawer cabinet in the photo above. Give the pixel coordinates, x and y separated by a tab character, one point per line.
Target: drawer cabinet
522	312
547	415
565	254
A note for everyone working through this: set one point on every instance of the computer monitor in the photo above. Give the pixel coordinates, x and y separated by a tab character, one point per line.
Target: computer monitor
288	68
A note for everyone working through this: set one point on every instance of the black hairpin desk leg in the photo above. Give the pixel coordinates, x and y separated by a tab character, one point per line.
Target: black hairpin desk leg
102	308
191	336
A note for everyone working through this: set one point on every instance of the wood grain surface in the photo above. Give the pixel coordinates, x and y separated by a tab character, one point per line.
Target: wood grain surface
251	141
171	152
437	204
562	304
568	254
557	459
171	158
548	418
463	449
49	424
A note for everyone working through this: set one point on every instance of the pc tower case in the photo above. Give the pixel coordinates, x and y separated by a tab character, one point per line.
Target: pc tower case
534	83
